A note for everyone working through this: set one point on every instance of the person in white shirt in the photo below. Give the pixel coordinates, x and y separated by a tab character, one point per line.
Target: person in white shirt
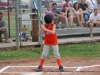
91	4
94	20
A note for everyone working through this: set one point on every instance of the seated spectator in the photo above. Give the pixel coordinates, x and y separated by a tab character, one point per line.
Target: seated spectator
68	17
91	4
94	20
57	13
3	29
98	6
85	9
78	14
48	11
65	8
65	3
24	35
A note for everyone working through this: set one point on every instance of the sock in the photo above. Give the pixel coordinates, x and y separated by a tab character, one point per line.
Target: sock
42	62
59	62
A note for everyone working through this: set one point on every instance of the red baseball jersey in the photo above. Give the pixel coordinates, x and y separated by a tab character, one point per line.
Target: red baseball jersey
50	39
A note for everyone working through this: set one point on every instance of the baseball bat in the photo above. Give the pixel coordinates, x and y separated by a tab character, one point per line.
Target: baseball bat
37	12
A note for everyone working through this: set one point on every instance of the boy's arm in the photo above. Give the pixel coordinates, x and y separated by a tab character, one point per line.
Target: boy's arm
40	31
50	31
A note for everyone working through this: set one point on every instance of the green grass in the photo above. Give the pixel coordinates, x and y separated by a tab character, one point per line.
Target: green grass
77	51
84	51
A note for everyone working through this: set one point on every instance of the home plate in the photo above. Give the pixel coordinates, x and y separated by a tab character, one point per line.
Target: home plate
33	73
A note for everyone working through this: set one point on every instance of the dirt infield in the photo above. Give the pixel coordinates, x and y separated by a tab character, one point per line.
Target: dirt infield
72	66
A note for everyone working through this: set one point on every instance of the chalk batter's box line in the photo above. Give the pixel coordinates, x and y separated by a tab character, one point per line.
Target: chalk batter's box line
78	68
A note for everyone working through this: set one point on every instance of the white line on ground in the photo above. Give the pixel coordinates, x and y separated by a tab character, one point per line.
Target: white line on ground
39	73
4	69
78	69
35	73
23	73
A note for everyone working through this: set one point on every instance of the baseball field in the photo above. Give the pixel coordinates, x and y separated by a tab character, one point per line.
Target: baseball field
83	59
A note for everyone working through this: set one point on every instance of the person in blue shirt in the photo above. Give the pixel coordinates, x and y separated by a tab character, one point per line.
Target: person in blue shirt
24	35
57	13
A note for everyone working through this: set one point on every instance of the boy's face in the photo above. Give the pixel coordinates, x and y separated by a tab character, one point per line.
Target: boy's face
23	30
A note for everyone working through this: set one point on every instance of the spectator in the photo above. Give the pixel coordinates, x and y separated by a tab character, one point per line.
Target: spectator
78	14
85	9
57	13
65	3
98	5
3	29
91	4
68	17
94	20
67	13
24	35
48	11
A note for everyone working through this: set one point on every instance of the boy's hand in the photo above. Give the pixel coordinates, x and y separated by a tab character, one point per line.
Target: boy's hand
42	26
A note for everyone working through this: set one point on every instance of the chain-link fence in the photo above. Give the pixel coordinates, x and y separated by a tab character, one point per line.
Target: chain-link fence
23	17
8	10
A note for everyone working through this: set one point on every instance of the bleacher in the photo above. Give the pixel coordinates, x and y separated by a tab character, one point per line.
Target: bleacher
63	31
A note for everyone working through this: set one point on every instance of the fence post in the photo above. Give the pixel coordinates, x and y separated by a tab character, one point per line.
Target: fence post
35	23
34	26
17	24
8	18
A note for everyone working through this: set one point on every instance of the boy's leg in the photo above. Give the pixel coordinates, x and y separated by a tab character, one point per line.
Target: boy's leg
45	52
57	56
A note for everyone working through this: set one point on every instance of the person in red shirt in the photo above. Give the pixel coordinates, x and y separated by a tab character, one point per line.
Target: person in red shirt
50	40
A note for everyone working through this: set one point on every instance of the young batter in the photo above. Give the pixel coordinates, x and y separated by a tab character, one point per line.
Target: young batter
50	40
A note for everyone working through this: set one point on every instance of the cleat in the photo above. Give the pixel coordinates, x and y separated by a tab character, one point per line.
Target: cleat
61	69
39	69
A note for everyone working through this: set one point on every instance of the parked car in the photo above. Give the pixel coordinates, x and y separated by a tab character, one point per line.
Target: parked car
4	5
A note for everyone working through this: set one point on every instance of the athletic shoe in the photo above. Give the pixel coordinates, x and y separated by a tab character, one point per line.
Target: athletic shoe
61	69
39	69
